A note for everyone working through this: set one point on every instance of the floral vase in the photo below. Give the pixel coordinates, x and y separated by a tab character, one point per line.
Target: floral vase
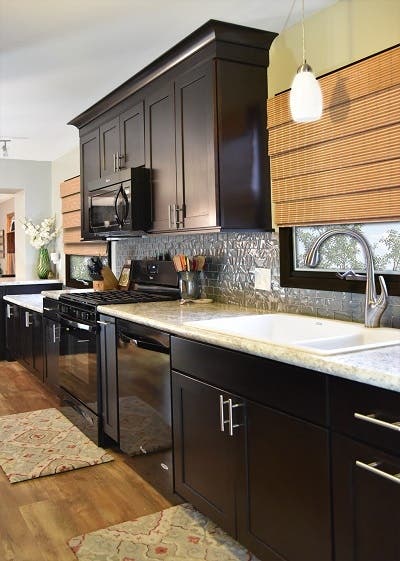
43	264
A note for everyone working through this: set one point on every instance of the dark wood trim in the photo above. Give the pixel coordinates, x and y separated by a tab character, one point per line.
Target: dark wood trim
320	280
226	33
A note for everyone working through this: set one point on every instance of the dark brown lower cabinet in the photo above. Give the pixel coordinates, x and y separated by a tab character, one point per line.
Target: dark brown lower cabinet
264	478
204	455
51	344
366	498
31	341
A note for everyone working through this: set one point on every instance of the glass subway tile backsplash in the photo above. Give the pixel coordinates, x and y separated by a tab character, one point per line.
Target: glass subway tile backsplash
229	274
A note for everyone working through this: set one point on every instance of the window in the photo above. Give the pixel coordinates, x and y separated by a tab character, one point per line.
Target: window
76	271
340	253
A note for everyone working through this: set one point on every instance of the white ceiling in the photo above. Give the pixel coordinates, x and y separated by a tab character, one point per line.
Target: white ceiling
58	57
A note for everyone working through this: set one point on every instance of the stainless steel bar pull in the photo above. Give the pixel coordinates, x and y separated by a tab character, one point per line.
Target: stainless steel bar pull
372	419
27	318
372	467
231	407
9	314
55	340
222	404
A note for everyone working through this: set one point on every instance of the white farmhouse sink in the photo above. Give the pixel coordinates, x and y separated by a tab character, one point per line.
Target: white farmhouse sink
309	334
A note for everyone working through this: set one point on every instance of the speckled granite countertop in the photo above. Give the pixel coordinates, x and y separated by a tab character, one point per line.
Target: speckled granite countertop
30	301
378	367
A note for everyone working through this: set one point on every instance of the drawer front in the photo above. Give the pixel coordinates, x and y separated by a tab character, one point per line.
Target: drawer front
288	388
366	412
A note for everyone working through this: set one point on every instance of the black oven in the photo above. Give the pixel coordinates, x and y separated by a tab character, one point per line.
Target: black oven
121	204
78	376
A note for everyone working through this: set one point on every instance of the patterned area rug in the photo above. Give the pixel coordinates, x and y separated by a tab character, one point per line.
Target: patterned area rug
44	442
179	533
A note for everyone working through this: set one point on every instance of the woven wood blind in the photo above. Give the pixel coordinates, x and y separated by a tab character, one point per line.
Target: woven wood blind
71	215
346	166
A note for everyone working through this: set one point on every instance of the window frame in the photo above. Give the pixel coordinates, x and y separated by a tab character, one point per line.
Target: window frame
321	280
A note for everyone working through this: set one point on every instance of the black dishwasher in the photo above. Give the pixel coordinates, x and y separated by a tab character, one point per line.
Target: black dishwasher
144	402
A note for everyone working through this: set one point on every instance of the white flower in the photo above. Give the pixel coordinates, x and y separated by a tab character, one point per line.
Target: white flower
41	234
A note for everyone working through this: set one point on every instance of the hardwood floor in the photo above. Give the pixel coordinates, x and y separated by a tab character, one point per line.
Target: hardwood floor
37	517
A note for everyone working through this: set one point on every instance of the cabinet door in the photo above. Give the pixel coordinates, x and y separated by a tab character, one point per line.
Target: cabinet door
284	487
203	454
90	158
51	340
26	346
131	130
37	344
108	373
109	146
366	497
90	171
160	155
12	331
195	147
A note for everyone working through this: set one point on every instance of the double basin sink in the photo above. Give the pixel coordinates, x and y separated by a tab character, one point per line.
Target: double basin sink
305	333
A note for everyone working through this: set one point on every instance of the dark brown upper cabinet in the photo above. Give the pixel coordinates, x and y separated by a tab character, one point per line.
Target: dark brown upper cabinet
122	141
160	150
196	117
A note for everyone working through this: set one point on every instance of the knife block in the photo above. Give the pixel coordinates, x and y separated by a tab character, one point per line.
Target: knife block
109	281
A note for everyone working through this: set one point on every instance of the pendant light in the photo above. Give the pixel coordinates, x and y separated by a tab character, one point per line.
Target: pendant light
305	93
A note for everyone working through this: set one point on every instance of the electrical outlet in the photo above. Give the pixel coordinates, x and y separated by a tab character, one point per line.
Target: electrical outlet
262	278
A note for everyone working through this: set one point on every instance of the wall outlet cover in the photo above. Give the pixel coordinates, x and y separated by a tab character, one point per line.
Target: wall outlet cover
262	278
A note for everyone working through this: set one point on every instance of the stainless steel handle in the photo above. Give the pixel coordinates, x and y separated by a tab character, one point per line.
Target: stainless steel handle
373	469
178	210
114	162
232	406
46	309
103	322
55	340
9	315
222	421
83	340
27	318
120	158
372	419
172	217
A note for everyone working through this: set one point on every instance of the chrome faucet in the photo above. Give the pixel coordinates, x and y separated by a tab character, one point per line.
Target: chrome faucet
374	305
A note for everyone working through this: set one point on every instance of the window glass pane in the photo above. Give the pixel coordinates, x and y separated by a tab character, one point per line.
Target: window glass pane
78	267
344	253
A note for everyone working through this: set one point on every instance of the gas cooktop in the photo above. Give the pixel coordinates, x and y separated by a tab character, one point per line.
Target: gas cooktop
113	297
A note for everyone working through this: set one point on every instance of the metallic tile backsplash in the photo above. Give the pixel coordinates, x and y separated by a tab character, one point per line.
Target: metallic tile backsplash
229	275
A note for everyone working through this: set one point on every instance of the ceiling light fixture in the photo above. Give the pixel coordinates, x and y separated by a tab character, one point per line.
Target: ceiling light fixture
4	150
305	93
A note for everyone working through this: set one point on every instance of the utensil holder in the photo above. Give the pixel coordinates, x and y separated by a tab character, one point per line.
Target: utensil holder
189	285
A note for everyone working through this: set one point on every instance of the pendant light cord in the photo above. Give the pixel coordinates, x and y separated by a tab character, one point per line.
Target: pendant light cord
303	34
288	17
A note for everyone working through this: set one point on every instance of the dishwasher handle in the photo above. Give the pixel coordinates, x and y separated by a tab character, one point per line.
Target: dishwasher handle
144	342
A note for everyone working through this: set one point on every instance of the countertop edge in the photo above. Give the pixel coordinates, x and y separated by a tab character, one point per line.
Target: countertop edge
354	366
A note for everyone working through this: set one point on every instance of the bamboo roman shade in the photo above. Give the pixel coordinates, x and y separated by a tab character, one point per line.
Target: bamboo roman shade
71	215
346	166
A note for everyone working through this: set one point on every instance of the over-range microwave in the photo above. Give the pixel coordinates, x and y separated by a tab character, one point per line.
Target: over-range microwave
121	205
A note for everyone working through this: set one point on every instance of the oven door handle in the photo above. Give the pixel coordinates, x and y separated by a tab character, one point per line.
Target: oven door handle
76	325
145	343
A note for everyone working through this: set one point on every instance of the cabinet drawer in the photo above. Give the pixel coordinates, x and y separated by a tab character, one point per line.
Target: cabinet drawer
366	412
291	389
